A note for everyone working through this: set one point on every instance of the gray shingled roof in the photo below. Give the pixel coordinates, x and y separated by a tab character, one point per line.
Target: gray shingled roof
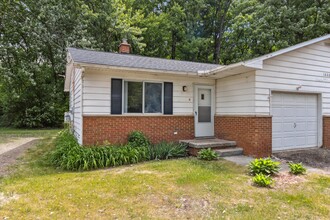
134	61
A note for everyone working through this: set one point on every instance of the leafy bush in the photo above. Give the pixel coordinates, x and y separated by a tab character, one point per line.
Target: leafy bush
264	166
297	168
207	154
69	155
166	150
262	180
138	139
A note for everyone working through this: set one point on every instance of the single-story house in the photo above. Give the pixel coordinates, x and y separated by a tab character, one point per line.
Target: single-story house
278	101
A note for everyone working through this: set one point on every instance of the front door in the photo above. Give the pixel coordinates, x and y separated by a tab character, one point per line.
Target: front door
204	111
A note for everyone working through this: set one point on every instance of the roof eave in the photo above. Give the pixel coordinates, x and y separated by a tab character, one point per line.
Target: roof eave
68	72
92	65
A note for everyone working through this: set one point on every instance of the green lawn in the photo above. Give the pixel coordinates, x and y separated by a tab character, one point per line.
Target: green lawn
172	189
9	134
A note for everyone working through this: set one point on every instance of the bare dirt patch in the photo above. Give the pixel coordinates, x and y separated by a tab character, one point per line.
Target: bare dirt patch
317	158
11	153
7	198
283	180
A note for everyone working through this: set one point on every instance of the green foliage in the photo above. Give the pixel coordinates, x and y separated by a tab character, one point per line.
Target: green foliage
297	168
138	139
166	150
35	35
207	154
262	180
264	166
69	155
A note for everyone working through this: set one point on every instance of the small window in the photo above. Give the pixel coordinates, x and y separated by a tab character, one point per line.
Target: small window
143	97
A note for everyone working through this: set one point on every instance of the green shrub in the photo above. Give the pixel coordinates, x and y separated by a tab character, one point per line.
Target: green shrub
265	166
297	168
69	155
166	150
207	154
262	180
138	139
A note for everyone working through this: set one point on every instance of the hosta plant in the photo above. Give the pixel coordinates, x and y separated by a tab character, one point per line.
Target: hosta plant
297	168
262	180
207	154
265	166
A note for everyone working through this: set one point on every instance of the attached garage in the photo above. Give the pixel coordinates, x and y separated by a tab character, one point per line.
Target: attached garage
295	120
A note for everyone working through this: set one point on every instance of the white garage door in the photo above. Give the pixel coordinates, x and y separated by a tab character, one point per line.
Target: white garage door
294	121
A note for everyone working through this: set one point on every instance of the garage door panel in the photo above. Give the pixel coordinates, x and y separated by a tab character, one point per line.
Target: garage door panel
287	127
300	112
311	140
277	127
277	142
312	126
294	120
288	142
300	141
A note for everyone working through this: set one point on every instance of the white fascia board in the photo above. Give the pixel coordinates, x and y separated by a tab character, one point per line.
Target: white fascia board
289	49
178	73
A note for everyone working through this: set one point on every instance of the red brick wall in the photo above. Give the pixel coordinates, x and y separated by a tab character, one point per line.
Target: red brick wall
97	129
326	132
252	133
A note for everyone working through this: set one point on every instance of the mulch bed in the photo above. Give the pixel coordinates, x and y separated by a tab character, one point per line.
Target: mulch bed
317	158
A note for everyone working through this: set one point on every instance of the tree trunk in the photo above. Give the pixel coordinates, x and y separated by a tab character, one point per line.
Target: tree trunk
219	27
173	51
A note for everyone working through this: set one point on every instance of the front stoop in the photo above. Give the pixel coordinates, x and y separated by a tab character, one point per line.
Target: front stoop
222	147
227	152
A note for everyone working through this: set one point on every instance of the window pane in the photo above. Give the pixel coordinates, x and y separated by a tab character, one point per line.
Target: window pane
153	98
133	97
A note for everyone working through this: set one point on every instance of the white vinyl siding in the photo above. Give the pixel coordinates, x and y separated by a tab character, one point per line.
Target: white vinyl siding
76	103
305	66
235	95
97	91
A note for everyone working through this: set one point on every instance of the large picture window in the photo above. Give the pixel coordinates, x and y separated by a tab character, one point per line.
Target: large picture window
143	97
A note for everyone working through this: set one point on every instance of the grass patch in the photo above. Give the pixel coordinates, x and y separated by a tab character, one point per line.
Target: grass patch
180	188
15	132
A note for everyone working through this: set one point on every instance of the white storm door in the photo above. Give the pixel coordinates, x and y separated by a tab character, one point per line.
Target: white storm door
204	111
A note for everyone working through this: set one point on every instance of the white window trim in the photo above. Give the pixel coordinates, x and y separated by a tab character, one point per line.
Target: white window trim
143	98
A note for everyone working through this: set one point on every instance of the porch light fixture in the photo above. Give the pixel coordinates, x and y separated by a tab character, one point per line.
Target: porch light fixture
184	88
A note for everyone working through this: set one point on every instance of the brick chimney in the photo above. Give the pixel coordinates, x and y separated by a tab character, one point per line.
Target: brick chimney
124	47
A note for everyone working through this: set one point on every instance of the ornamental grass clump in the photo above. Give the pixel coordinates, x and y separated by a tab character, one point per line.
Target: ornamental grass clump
69	155
166	150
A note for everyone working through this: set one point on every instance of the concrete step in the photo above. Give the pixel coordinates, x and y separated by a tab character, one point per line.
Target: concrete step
231	151
209	143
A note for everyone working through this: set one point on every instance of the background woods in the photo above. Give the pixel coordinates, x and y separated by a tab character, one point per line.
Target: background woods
34	36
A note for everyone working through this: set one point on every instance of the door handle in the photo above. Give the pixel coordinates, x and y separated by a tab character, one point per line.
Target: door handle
294	125
195	112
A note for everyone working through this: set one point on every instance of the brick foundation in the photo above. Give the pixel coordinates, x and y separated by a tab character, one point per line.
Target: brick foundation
97	129
326	132
252	133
